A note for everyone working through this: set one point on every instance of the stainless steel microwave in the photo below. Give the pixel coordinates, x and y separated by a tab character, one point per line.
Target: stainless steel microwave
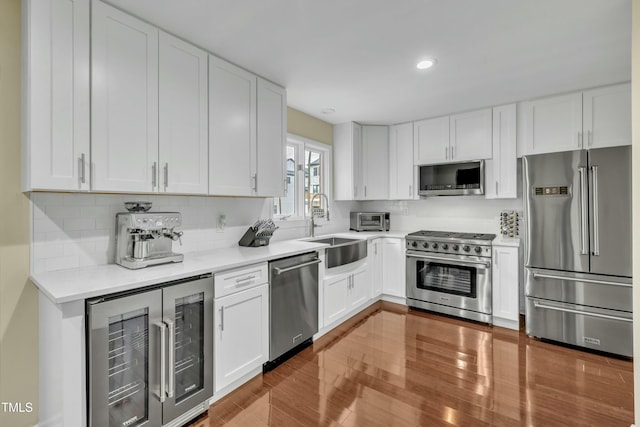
370	221
452	179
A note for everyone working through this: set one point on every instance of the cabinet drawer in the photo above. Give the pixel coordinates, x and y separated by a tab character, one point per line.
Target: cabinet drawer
231	281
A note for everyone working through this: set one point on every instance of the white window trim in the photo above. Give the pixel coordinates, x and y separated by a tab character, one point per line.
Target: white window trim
302	143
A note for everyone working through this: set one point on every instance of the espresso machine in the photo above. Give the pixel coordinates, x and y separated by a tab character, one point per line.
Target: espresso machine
146	238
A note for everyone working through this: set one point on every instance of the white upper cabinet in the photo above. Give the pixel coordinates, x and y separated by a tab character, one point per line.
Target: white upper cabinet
456	138
470	136
347	143
375	162
501	171
56	117
269	178
124	101
401	169
595	118
606	116
232	129
183	127
431	141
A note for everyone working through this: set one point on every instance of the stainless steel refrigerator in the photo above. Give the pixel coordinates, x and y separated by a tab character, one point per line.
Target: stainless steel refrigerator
578	251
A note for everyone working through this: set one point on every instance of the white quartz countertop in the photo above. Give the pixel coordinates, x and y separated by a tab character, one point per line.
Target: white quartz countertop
87	282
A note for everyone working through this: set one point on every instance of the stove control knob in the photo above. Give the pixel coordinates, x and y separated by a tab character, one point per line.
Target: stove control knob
425	245
466	248
434	246
414	244
445	246
455	247
478	249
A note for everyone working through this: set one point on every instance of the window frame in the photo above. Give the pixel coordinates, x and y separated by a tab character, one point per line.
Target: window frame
301	144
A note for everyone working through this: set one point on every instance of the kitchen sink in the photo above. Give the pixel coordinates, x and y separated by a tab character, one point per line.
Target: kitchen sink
342	250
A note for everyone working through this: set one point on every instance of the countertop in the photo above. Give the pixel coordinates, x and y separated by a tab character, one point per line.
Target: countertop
87	282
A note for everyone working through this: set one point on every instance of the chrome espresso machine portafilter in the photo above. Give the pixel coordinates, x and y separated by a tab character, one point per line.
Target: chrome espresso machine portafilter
146	238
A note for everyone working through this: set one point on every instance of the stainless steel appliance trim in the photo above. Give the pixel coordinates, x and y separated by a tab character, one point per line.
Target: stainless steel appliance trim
455	261
452	192
163	351
577	279
172	363
452	311
596	219
584	313
584	236
295	267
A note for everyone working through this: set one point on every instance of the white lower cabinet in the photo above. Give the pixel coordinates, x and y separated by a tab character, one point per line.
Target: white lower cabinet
393	268
345	291
506	284
241	342
374	254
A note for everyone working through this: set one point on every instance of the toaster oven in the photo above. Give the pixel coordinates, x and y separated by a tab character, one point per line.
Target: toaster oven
370	221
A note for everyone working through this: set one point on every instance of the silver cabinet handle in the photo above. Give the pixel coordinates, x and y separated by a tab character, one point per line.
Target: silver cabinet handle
446	153
584	313
365	191
83	178
583	212
221	318
153	175
596	208
453	152
172	361
254	185
496	188
163	350
495	258
450	261
295	267
577	279
245	279
166	176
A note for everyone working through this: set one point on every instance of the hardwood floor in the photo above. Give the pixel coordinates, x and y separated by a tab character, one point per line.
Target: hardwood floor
393	367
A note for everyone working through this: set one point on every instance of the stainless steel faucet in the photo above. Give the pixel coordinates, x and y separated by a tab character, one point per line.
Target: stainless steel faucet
313	223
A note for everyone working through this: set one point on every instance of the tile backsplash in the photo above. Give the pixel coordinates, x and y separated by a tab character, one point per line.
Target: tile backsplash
76	230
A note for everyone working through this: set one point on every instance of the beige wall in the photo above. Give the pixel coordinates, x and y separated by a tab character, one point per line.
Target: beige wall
18	298
635	177
305	125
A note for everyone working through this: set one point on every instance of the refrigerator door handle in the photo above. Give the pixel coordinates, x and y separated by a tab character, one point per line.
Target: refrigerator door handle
163	348
583	212
172	362
596	219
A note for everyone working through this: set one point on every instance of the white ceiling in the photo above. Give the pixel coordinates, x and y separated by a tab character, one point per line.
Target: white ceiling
359	56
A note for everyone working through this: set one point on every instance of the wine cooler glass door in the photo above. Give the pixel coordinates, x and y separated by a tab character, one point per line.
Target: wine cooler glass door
187	310
124	387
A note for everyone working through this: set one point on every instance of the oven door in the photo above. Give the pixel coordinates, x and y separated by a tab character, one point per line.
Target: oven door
463	282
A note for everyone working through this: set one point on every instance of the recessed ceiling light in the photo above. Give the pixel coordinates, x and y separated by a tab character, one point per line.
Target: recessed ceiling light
427	63
328	111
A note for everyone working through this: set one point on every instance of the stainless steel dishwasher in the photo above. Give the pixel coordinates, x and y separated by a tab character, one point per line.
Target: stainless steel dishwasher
293	305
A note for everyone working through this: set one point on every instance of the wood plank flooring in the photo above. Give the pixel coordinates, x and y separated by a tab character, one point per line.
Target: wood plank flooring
396	367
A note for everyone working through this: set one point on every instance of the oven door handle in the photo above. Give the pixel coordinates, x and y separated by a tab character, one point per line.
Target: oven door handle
475	264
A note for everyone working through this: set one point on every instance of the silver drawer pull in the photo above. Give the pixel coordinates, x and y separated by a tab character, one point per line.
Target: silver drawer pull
245	279
576	279
295	267
583	313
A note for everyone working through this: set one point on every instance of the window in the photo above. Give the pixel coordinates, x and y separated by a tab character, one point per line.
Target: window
307	175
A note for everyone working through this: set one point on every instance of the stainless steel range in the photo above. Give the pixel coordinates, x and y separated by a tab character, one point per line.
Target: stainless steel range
450	273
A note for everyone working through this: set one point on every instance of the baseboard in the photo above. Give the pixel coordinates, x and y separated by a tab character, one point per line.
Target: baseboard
234	385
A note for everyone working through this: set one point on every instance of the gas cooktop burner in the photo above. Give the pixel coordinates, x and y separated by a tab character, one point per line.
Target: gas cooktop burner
450	242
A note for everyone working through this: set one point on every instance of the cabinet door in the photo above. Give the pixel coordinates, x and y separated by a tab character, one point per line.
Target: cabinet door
505	284
360	287
183	117
401	162
272	135
336	296
124	101
232	129
393	268
501	170
470	135
375	162
56	46
431	141
344	185
241	332
607	116
552	124
374	256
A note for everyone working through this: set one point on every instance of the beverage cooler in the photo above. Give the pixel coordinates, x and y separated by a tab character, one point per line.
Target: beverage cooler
150	355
